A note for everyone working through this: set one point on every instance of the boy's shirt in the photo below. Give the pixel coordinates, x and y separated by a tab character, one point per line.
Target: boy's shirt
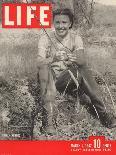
48	47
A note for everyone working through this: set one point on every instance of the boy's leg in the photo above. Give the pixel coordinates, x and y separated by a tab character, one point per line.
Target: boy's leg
65	83
97	106
89	87
48	94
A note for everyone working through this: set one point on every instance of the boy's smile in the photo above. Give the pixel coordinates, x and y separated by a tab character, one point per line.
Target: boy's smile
62	24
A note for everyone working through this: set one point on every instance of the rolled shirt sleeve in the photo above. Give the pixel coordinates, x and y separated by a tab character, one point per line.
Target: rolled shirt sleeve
79	51
78	43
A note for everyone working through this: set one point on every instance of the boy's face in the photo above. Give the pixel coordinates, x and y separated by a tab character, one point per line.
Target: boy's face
62	24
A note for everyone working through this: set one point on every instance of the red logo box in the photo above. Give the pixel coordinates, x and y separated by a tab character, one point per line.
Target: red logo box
20	15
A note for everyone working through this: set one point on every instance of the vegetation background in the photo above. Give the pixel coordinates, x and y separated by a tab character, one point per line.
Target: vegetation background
20	111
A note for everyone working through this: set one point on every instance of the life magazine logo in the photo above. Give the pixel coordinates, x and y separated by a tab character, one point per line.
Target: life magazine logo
26	15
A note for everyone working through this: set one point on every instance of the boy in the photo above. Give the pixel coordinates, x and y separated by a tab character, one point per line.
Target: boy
60	54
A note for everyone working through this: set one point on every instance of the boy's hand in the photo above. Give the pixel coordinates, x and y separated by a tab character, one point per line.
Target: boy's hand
78	56
60	56
72	58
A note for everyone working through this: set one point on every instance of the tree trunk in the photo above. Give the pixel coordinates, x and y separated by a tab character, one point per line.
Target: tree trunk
63	4
84	12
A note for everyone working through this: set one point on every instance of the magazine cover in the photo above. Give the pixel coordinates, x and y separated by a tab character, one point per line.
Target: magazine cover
57	77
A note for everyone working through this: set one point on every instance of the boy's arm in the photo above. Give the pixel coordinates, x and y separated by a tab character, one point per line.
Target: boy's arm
43	50
78	55
44	61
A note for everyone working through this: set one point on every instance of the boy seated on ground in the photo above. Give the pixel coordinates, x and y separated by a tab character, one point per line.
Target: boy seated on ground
60	54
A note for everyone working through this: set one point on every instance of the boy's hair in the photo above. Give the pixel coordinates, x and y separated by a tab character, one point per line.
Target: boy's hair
67	12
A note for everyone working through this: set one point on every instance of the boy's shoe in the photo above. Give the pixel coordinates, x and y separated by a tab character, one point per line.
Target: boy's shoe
48	130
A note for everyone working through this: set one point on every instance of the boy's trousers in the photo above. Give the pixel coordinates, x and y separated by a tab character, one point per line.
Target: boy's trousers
87	85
